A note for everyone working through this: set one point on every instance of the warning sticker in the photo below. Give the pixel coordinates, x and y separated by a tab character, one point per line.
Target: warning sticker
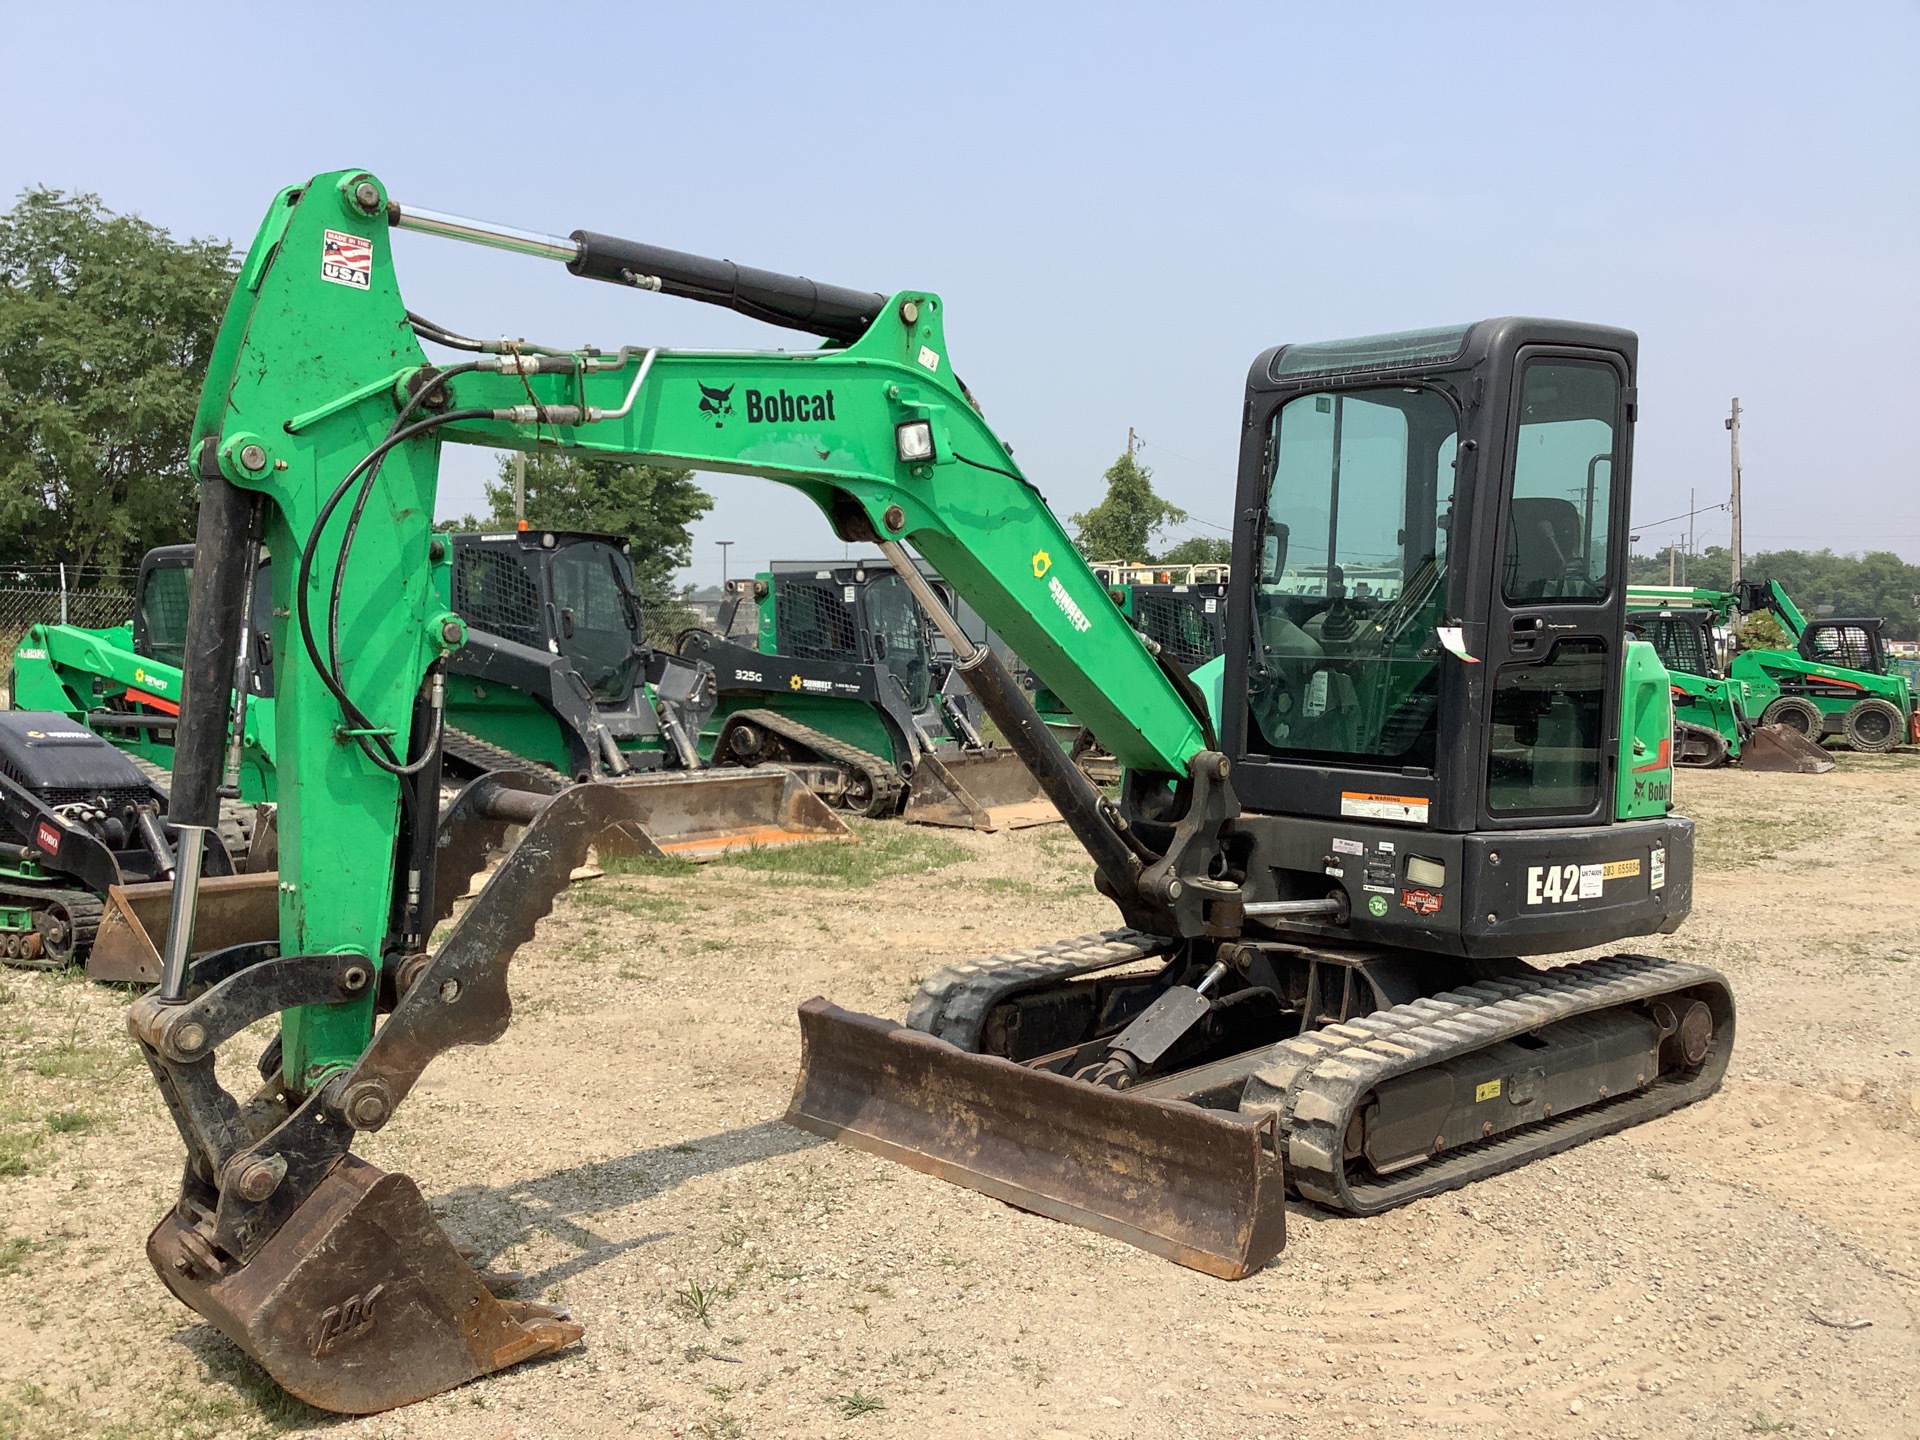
1489	1090
929	358
1620	869
346	260
1409	808
1421	902
1657	870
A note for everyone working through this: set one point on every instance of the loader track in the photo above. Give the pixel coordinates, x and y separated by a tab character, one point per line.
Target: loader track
71	914
952	1003
471	750
1315	1082
885	788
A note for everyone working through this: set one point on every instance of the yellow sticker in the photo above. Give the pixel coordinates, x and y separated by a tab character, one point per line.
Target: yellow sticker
1619	869
795	683
1042	562
1488	1091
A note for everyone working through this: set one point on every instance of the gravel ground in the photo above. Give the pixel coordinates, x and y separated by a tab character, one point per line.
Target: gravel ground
1747	1266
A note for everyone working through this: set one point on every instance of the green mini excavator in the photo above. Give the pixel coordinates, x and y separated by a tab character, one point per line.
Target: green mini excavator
1326	883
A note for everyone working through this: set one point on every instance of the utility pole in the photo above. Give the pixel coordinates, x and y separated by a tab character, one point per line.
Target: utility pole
519	489
723	544
1733	429
1693	506
1133	441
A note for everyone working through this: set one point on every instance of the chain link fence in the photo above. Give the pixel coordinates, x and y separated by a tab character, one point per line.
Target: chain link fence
41	595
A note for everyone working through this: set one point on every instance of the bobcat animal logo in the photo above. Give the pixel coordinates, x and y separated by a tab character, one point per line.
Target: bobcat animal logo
717	403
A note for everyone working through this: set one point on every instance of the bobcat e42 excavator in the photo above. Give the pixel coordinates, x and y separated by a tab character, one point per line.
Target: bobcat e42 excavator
1326	888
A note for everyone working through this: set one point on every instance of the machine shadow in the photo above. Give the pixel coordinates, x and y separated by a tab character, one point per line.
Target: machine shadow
497	1217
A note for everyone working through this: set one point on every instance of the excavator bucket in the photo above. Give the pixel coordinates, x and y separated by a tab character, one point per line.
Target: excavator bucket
1200	1187
1783	749
976	790
233	910
699	816
359	1302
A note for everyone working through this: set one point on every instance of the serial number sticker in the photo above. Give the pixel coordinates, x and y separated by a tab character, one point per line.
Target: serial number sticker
1349	847
1657	870
1593	881
346	260
1490	1090
1620	869
1358	805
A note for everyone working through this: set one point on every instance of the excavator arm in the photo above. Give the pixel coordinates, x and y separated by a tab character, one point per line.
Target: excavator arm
318	436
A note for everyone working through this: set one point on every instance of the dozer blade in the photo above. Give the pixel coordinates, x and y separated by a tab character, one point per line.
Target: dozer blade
1200	1187
360	1302
978	790
704	815
233	910
1783	749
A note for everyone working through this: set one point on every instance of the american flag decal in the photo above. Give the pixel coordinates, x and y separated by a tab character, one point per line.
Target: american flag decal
347	260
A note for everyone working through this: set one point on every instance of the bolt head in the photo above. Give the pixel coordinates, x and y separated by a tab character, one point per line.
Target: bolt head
257	1182
894	518
1175	889
452	632
189	1037
909	311
366	195
253	457
355	979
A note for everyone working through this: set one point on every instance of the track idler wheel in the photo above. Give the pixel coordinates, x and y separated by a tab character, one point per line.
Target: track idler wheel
360	1302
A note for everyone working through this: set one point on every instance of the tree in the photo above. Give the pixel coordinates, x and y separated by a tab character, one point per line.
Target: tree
1760	631
653	506
1122	526
1820	582
106	324
1200	550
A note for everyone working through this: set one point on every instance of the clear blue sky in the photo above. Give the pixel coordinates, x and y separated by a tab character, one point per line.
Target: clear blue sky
1120	204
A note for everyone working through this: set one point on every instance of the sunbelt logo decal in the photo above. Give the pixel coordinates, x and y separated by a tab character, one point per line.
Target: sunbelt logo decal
1068	607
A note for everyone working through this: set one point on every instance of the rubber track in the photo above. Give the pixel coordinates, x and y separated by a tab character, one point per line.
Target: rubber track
882	779
953	1002
1712	740
237	821
83	913
1314	1082
483	756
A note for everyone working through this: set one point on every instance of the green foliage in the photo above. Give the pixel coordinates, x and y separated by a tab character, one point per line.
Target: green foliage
106	324
1199	550
653	506
1876	583
1122	526
1760	631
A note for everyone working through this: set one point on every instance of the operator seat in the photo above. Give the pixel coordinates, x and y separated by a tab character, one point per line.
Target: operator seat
1543	547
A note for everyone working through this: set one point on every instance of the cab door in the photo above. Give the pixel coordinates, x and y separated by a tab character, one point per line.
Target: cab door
1556	617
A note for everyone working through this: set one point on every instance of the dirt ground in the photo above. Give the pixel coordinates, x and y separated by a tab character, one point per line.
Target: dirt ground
1747	1266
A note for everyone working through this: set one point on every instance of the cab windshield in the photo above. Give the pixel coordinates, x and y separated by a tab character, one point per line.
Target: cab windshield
598	617
1352	576
899	638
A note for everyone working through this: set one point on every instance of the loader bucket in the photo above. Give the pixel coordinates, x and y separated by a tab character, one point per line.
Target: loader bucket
702	815
978	790
1783	749
233	910
1200	1187
359	1302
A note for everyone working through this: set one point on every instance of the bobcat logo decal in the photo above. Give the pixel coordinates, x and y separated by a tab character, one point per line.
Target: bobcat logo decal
717	403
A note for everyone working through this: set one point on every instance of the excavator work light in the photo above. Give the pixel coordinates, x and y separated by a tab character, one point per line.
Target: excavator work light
914	439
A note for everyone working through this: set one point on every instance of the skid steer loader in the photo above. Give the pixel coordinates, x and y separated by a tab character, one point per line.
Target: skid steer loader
837	674
1711	708
1326	884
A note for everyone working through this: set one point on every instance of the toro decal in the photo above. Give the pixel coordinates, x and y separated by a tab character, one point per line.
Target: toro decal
46	835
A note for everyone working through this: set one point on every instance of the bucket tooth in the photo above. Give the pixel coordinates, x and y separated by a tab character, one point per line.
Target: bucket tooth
1200	1187
978	790
233	910
360	1302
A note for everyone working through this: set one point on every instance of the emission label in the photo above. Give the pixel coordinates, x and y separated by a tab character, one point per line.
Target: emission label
346	260
1411	809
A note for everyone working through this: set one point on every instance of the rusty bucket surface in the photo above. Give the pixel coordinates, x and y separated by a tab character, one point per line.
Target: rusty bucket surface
977	790
233	910
1200	1187
704	815
1784	750
360	1302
